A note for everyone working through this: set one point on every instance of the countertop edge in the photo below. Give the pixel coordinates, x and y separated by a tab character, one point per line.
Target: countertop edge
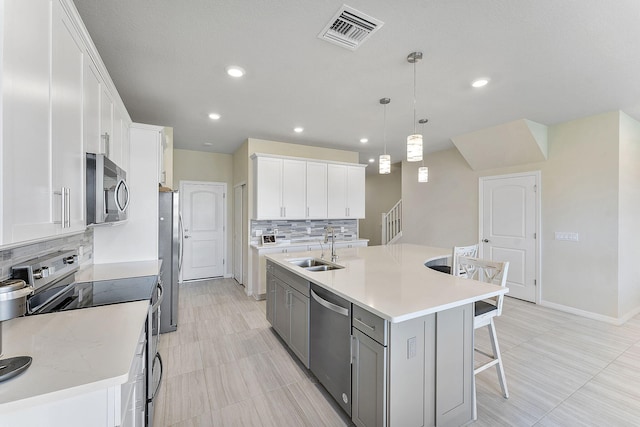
135	311
391	318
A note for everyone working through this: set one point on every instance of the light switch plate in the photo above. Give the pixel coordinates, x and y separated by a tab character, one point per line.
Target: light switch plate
568	236
411	347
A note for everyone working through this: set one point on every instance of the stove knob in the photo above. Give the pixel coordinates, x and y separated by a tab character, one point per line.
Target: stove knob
45	271
37	274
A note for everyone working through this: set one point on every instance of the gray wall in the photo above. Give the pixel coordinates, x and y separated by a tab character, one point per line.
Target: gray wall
382	193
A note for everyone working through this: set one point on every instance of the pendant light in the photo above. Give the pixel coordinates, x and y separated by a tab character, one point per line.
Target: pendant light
423	171
384	163
414	142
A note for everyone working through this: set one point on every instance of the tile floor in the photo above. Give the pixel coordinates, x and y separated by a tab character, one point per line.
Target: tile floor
226	367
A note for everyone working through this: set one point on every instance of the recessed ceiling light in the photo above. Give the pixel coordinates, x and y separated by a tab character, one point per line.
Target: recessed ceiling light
214	116
364	140
480	82
372	160
207	144
235	71
298	129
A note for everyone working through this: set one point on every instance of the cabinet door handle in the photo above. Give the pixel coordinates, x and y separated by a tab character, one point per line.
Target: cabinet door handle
68	207
372	328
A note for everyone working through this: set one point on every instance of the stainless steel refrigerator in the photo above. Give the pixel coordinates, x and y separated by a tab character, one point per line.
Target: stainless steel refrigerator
169	251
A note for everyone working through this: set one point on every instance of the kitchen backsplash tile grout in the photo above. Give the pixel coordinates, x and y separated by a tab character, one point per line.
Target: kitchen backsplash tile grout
303	230
16	255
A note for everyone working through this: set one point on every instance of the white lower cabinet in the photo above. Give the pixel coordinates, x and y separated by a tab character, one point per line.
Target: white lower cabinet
115	406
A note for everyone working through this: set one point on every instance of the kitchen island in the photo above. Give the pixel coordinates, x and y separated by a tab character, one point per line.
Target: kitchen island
412	335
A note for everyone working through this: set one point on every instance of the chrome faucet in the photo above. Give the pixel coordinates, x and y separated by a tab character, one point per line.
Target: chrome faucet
329	231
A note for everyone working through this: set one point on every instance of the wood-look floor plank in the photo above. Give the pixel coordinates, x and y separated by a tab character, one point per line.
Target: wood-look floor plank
226	367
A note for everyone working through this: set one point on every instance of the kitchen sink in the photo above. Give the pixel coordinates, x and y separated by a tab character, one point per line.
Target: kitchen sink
325	267
315	264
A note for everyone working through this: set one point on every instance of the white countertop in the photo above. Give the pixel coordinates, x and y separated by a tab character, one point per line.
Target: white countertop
392	281
118	270
74	352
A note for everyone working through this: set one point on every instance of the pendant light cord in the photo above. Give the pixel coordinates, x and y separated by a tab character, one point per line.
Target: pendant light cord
384	129
414	96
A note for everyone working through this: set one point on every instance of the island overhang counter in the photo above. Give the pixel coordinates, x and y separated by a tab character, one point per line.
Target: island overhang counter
421	372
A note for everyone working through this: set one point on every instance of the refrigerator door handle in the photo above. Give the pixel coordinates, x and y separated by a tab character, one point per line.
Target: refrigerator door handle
181	241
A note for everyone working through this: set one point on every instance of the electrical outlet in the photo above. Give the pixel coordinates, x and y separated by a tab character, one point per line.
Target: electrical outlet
308	230
275	231
258	233
411	347
342	229
568	236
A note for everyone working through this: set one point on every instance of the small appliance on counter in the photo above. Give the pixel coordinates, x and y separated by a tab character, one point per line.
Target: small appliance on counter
13	303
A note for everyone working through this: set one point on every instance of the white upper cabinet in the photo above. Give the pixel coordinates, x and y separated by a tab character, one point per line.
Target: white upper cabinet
316	190
288	188
25	135
55	104
294	177
66	123
346	191
106	123
280	188
91	109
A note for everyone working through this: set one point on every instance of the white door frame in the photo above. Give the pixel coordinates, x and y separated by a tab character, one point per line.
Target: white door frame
238	218
224	222
538	222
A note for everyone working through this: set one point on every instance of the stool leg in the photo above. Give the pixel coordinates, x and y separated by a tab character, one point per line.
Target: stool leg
498	356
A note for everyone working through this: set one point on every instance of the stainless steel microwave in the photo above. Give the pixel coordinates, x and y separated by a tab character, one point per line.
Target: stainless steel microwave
107	191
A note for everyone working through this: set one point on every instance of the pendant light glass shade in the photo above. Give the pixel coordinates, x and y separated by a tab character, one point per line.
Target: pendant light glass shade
414	148
423	174
414	142
384	164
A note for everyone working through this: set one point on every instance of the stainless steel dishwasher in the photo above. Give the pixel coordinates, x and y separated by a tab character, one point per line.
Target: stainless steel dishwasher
330	344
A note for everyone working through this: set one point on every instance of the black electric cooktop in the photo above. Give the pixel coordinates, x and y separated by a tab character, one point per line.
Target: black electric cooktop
122	290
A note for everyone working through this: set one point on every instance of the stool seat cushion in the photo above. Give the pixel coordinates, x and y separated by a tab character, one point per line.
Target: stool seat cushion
483	307
441	268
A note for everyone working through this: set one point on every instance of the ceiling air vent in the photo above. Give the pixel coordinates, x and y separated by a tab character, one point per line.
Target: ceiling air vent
349	28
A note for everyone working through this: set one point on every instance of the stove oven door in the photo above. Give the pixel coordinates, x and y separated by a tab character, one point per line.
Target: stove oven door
154	360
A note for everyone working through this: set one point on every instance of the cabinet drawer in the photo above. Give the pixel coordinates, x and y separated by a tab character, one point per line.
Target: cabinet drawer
296	282
372	325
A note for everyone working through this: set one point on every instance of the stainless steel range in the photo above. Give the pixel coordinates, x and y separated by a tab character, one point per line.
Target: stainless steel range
52	278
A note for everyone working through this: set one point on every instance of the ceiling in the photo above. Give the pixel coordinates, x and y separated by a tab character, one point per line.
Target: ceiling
548	61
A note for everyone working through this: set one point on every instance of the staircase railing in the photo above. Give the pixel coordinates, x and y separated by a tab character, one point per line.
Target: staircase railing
392	224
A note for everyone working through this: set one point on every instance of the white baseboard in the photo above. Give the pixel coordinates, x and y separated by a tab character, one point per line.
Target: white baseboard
590	315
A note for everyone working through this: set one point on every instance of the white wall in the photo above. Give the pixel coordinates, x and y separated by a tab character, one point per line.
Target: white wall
579	194
629	208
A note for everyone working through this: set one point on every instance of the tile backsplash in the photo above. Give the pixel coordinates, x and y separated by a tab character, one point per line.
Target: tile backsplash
14	255
303	230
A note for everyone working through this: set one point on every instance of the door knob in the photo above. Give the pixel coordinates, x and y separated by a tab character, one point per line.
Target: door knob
486	240
186	237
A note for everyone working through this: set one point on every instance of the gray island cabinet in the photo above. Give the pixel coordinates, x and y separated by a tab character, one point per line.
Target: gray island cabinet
411	330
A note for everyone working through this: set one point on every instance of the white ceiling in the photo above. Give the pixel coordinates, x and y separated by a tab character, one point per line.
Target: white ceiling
548	60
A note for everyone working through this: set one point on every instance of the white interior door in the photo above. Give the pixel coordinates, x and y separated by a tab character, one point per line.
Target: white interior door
509	228
204	239
238	237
